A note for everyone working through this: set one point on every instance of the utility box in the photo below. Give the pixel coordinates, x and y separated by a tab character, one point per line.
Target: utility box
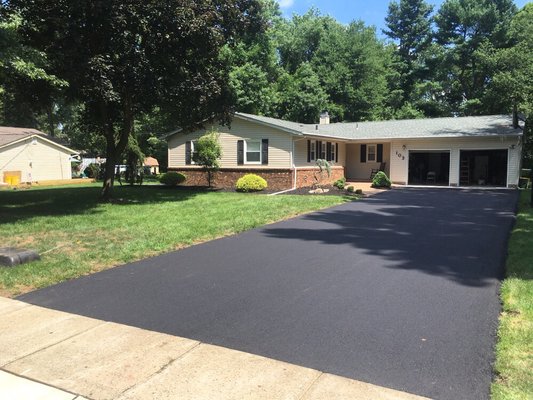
12	178
11	256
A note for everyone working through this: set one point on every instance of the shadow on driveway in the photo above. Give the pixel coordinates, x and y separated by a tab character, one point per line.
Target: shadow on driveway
450	233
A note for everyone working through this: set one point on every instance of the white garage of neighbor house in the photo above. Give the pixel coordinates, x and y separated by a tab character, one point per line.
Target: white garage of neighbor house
28	155
462	151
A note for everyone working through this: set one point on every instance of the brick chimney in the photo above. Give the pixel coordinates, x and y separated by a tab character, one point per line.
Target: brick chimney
324	118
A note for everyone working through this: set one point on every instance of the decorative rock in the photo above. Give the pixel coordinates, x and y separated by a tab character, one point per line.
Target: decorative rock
11	256
319	191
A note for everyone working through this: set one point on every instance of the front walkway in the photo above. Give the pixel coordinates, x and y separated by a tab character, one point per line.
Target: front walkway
103	360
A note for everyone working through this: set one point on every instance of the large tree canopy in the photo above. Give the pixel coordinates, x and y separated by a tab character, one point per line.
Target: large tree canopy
102	72
122	59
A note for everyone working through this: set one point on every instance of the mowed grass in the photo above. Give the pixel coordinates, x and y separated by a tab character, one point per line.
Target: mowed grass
514	351
79	235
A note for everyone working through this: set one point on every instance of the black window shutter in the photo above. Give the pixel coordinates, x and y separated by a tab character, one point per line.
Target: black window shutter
188	152
308	151
363	153
264	151
379	156
240	152
328	151
336	152
318	149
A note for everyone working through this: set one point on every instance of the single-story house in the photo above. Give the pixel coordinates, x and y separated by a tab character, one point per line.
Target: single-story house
461	151
29	155
151	165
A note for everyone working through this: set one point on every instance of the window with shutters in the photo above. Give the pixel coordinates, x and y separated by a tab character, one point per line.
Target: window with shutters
252	151
371	153
332	153
312	150
323	148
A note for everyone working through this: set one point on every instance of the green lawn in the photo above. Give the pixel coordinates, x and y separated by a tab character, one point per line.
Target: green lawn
82	235
514	352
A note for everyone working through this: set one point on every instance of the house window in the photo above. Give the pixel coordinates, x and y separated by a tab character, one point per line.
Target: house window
371	153
193	151
323	148
332	153
252	151
312	151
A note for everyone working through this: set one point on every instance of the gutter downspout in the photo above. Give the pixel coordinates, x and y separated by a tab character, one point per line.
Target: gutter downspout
293	168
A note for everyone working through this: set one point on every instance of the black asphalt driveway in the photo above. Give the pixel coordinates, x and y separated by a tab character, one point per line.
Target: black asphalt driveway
399	290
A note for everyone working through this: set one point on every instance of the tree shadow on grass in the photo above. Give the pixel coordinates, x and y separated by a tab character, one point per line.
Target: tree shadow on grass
16	206
458	234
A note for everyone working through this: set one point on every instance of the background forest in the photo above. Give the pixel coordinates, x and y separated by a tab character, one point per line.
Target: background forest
468	57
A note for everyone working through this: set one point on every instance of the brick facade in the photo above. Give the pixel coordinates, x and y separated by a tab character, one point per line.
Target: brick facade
277	179
305	177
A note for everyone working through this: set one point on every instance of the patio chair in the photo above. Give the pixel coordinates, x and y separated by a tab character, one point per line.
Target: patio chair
374	171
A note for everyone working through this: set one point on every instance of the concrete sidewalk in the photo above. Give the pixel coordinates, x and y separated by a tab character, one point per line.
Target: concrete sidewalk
77	356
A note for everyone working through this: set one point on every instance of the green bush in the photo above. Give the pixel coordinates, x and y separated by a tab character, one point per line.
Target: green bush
172	178
381	180
359	191
92	171
340	183
350	189
251	183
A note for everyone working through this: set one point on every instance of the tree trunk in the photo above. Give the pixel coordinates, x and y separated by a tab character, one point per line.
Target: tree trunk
109	172
115	149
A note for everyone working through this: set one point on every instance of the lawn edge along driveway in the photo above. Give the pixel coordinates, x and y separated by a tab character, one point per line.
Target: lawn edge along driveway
80	236
514	350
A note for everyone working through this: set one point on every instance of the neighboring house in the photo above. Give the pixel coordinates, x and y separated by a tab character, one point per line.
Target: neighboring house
28	155
151	165
463	151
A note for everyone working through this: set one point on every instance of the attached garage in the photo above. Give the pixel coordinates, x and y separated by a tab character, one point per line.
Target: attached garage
429	167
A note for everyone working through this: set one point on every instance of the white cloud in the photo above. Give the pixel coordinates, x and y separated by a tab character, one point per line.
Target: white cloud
285	3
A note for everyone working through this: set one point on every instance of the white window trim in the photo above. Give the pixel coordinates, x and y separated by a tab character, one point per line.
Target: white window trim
324	150
375	146
193	142
313	154
260	151
332	153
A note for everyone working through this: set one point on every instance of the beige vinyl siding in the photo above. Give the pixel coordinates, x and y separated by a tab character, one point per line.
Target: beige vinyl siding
279	145
300	152
400	157
36	159
355	169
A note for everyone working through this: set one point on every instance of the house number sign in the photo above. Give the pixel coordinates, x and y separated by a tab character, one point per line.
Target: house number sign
400	155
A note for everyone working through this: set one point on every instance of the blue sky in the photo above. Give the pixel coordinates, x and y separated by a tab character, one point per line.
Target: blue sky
373	12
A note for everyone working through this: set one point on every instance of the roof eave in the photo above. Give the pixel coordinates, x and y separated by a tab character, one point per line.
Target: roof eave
72	151
264	123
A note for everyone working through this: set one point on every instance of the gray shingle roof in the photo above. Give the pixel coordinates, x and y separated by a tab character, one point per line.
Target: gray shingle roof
490	125
10	134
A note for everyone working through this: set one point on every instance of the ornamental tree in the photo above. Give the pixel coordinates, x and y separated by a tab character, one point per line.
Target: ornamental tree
207	152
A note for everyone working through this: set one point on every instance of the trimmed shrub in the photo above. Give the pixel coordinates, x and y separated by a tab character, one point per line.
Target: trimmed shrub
381	180
172	178
359	191
251	183
350	189
340	183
